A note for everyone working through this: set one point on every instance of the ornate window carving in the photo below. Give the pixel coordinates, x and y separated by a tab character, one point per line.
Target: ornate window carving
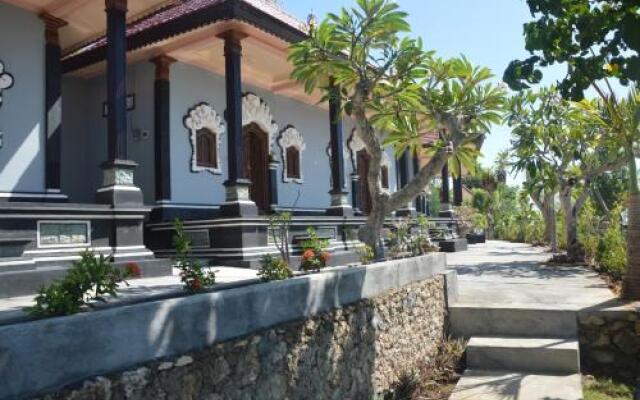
256	111
292	146
207	151
293	163
6	80
356	145
205	133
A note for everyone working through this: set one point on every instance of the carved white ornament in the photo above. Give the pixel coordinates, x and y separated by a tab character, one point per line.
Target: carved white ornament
118	177
203	116
256	111
356	144
6	80
346	153
386	161
290	137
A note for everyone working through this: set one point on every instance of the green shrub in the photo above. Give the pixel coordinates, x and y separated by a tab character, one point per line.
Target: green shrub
90	279
193	275
315	255
588	230
400	238
274	269
366	254
612	253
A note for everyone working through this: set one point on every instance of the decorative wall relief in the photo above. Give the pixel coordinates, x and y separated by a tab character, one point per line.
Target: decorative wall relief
256	111
203	116
355	144
6	80
291	137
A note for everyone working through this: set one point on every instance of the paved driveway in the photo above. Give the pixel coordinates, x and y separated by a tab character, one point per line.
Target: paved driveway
516	274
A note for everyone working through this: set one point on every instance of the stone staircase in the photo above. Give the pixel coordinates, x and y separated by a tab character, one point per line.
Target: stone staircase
518	352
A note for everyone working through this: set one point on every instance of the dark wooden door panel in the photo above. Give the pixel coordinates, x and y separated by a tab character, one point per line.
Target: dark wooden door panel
256	165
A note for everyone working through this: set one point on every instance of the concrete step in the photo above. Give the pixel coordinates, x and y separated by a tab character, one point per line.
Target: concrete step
491	385
523	354
500	320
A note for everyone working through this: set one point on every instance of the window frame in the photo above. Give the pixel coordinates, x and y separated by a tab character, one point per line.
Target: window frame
212	149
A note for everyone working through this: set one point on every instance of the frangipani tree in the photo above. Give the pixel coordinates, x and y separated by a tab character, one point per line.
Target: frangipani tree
621	120
560	147
543	189
395	92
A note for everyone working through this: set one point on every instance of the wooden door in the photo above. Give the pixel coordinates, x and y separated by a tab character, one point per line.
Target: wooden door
363	174
256	165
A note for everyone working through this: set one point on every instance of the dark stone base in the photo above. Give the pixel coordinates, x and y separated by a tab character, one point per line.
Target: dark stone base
26	269
406	212
453	245
475	238
119	197
242	242
447	214
169	214
12	247
340	211
28	279
239	209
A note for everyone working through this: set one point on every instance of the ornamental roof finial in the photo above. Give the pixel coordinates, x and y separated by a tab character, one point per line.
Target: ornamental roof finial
312	20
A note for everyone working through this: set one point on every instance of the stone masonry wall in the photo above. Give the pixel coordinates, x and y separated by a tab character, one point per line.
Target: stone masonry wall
610	342
353	352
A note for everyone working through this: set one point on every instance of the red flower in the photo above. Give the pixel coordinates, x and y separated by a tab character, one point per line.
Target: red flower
134	270
308	255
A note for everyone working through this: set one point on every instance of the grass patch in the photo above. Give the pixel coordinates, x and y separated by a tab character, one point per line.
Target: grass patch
606	389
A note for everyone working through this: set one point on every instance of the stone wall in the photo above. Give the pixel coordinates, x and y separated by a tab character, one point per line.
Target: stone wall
346	329
348	353
610	342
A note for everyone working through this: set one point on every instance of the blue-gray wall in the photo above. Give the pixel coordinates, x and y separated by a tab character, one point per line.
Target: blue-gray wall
85	138
22	110
191	85
85	133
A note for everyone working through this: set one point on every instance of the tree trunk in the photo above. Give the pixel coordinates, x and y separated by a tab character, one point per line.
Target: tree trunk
372	234
549	215
631	282
575	252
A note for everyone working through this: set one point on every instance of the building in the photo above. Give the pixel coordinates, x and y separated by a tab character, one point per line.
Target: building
118	117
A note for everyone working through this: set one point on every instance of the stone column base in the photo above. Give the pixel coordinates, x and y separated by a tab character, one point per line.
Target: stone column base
340	206
446	211
408	211
117	185
237	202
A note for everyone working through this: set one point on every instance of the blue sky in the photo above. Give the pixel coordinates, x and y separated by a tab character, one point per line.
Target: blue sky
488	32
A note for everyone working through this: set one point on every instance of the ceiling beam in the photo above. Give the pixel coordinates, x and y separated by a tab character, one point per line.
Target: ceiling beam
62	8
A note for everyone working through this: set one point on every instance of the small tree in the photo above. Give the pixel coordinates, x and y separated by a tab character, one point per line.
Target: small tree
395	92
558	145
543	190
